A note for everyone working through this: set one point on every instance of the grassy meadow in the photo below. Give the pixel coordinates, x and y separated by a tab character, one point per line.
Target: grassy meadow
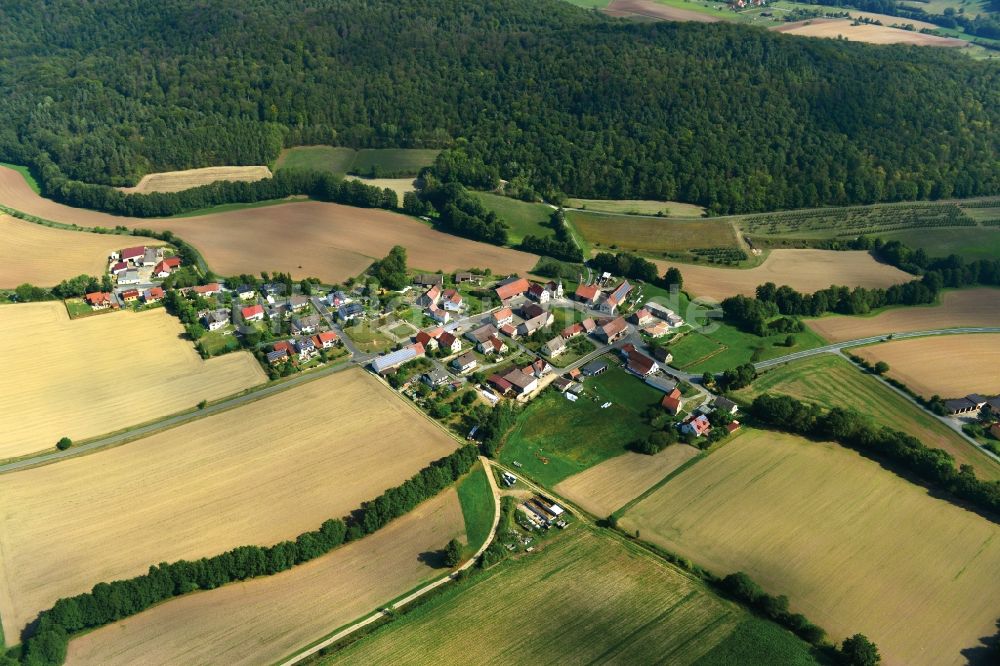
476	498
380	162
523	218
584	597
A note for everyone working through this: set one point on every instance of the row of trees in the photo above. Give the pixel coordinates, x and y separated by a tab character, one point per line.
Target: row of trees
109	602
462	214
934	467
562	246
625	264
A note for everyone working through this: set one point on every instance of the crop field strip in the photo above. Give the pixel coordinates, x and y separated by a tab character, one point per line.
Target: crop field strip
256	474
44	256
264	620
175	181
86	385
340	161
657	235
849	549
584	598
831	381
951	366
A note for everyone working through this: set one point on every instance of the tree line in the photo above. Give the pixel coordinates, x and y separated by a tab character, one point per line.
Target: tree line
109	602
458	212
561	246
507	87
932	466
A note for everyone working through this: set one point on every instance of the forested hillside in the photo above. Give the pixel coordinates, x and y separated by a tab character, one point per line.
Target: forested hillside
564	100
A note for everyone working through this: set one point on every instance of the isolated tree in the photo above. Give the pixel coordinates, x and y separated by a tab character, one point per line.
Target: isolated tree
859	651
790	340
391	271
64	443
707	378
673	277
881	368
453	553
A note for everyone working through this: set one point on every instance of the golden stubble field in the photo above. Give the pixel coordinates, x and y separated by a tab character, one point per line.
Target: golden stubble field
960	308
306	238
804	270
858	550
873	34
262	621
609	486
947	365
175	181
257	474
44	256
101	374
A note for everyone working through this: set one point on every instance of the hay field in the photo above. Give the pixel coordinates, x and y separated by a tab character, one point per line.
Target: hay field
654	10
963	308
638	207
97	375
257	474
805	270
307	238
609	486
330	241
264	620
585	598
949	365
872	34
45	256
175	181
858	550
831	381
652	234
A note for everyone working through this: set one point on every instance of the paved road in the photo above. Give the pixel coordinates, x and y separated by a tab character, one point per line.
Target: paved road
374	617
837	347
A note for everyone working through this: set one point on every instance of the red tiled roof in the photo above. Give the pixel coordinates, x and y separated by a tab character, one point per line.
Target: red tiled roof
587	292
209	288
672	405
500	383
97	297
508	329
512	289
614	327
283	345
447	339
327	336
155	292
252	310
172	262
130	252
502	313
732	426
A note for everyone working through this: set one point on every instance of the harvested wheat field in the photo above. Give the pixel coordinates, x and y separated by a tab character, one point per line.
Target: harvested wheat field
805	270
307	238
330	241
609	486
45	256
654	10
257	474
964	308
175	181
398	185
101	374
947	365
859	550
264	620
862	32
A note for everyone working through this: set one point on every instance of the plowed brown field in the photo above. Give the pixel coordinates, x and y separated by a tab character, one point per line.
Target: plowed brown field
654	10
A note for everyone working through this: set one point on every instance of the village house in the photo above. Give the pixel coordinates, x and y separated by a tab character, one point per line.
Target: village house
529	326
305	325
129	296
165	267
482	334
466	362
588	325
642	317
637	362
612	331
429	280
587	293
673	402
336	298
725	405
429	297
98	300
392	360
438	315
425	338
555	289
555	347
449	342
539	293
502	316
153	295
539	367
350	311
210	289
512	287
657	329
253	313
509	330
520	382
277	356
493	345
615	298
562	384
245	293
215	320
696	425
326	340
306	348
571	331
464	276
272	288
435	377
298	302
662	354
452	300
151	256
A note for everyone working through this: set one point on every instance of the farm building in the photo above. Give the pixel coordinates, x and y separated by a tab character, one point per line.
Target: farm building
521	382
133	253
572	331
967	405
612	330
595	368
512	287
509	330
386	362
499	383
429	297
429	279
129	277
464	276
616	298
637	362
587	293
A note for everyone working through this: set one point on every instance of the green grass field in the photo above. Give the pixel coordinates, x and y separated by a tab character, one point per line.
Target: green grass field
638	207
831	381
555	438
584	598
368	340
388	162
522	217
968	242
476	497
661	237
727	347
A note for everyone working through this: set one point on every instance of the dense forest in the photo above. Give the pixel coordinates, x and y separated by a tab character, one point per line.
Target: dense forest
731	117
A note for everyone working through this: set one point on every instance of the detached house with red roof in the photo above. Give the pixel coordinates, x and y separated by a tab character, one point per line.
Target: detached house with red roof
637	362
209	289
98	300
253	313
502	316
429	297
696	425
512	287
452	300
612	331
587	293
448	342
672	402
153	295
166	266
326	340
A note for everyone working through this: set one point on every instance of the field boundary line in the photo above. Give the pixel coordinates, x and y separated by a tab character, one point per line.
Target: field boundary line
416	594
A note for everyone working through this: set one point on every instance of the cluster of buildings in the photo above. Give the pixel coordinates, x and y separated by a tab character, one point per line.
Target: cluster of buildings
136	272
302	349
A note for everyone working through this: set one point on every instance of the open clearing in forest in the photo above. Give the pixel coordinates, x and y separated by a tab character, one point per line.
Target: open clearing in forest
257	474
386	162
831	381
398	185
608	232
654	10
863	32
947	365
638	207
306	238
44	256
101	374
609	486
855	547
175	181
583	598
804	270
262	621
961	308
